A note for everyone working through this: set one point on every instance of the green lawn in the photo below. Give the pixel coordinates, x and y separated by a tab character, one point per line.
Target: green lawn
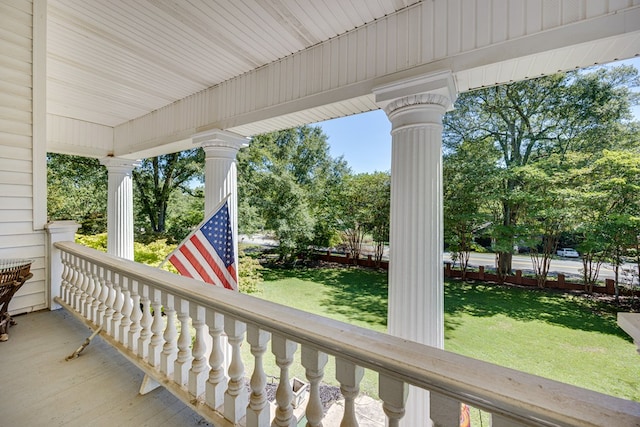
566	338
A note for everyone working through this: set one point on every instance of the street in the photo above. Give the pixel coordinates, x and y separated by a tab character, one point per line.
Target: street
568	266
523	262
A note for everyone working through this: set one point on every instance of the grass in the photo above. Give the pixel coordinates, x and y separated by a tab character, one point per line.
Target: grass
354	296
563	337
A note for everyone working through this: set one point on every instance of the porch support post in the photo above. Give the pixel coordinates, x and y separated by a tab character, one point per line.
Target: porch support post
120	206
221	173
415	108
58	231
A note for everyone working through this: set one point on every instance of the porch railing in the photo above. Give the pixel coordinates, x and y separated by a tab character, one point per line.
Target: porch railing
128	300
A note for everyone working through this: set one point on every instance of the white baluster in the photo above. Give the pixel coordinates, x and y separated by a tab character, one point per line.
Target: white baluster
146	323
183	361
79	285
127	308
135	316
95	294
349	376
394	394
445	411
284	350
103	298
170	347
235	398
217	382
199	371
110	301
258	409
76	284
90	290
67	273
117	306
84	287
314	362
156	344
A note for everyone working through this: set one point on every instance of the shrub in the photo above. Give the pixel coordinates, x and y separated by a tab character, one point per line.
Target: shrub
249	273
152	253
95	241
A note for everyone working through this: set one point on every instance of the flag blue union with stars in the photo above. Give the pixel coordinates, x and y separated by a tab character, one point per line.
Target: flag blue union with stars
218	232
208	254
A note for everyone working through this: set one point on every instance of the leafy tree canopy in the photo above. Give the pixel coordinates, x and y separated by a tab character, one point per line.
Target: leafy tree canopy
288	183
158	178
531	121
77	190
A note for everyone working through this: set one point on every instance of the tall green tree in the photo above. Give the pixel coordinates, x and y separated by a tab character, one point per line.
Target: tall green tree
469	182
546	217
611	201
77	190
365	211
156	180
534	119
381	212
186	210
288	183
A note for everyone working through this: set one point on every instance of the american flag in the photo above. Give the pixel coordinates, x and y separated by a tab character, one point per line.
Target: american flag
207	254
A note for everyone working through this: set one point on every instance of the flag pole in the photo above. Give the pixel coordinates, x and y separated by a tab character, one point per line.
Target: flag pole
195	229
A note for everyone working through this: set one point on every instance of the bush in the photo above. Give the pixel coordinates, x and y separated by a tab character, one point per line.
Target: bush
249	274
95	241
153	253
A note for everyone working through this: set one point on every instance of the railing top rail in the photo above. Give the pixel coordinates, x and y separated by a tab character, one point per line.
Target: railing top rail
497	389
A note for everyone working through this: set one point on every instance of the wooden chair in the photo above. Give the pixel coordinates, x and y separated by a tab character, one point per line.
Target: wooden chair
13	274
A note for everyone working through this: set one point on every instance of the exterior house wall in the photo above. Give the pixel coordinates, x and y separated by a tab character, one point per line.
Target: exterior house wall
18	183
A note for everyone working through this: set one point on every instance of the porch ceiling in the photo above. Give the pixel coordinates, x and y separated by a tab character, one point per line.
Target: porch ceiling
110	61
139	78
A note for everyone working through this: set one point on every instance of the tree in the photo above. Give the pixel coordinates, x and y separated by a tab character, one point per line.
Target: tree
288	183
534	119
77	190
365	210
186	210
157	178
381	212
546	217
611	196
468	185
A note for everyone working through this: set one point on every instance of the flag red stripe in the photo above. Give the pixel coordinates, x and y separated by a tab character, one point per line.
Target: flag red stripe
206	255
196	265
212	263
179	266
232	271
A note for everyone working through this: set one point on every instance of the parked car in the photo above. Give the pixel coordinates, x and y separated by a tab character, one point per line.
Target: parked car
568	253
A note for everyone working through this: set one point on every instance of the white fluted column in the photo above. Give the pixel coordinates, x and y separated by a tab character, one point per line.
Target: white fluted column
221	173
415	108
120	206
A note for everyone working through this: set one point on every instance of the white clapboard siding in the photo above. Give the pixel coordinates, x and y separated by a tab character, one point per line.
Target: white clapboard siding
17	237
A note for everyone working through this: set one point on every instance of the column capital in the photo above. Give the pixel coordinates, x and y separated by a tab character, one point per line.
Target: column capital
220	138
119	164
438	88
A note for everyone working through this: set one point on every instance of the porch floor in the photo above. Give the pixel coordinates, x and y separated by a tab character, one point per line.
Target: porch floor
99	388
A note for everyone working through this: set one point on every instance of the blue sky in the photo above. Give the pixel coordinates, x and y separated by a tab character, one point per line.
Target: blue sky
364	140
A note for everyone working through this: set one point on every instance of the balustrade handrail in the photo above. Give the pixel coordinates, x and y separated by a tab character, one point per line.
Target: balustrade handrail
516	395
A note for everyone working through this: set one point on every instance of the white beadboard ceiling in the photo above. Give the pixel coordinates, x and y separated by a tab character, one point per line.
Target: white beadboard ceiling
126	77
110	61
